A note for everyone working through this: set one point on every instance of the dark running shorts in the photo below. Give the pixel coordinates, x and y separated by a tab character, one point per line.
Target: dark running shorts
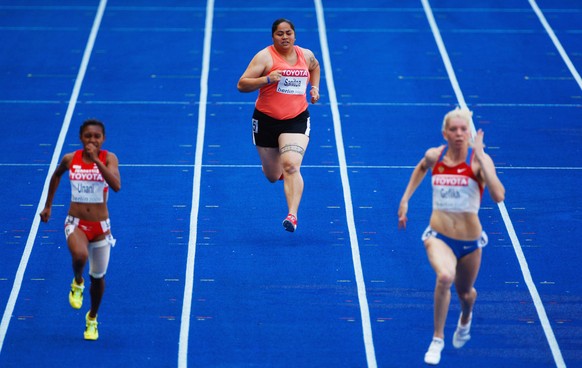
266	130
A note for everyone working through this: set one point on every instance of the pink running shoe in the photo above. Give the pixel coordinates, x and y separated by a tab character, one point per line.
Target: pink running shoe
290	223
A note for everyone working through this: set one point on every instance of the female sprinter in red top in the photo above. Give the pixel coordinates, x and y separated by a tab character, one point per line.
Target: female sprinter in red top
92	171
454	238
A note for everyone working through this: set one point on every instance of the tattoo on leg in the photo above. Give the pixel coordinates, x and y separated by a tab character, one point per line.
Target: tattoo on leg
292	148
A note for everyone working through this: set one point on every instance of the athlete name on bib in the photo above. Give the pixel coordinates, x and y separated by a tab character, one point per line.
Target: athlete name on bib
455	193
87	185
293	82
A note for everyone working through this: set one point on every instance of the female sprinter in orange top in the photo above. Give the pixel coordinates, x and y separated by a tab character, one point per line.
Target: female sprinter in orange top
281	73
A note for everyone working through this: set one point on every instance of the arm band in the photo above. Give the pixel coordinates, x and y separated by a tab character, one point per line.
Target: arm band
268	80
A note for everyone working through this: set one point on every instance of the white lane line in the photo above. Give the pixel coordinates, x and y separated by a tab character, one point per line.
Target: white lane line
559	360
359	274
351	167
56	156
246	103
189	276
556	42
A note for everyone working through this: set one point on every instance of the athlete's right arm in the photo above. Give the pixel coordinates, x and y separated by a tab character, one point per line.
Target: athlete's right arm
427	162
254	76
63	167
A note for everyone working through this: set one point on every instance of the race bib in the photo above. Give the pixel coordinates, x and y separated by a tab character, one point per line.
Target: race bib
87	192
293	82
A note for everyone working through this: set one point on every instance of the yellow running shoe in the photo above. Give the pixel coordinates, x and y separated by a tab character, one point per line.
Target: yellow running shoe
76	295
91	332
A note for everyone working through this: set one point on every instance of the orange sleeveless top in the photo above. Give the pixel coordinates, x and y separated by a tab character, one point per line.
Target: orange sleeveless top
285	99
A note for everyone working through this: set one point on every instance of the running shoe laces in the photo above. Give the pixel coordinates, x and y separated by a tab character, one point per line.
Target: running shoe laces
462	333
91	332
290	223
433	354
76	295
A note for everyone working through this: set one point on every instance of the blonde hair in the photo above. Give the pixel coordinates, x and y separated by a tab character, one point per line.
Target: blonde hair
458	112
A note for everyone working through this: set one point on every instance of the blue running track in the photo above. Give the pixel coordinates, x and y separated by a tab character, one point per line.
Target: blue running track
203	273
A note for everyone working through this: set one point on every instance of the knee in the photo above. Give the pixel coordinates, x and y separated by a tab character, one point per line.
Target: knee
445	280
97	279
79	258
290	167
97	276
271	179
468	296
79	252
272	175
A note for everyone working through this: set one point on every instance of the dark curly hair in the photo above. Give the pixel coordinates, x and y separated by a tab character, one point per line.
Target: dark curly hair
89	122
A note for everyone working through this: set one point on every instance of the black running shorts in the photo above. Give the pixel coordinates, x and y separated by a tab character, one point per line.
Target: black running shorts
266	130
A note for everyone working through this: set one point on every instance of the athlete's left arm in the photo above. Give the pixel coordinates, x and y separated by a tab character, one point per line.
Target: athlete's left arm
486	169
314	72
110	171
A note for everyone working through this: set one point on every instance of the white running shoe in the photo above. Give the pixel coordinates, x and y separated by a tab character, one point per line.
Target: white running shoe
433	354
462	333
